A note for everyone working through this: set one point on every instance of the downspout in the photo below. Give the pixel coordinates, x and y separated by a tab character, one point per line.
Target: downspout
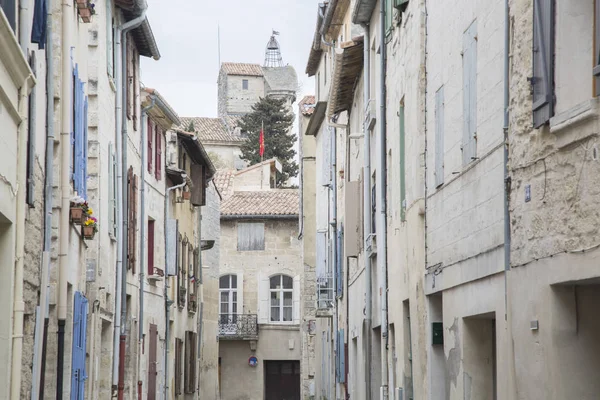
143	121
65	144
367	204
333	230
39	361
122	36
24	29
168	302
381	199
94	317
200	298
18	303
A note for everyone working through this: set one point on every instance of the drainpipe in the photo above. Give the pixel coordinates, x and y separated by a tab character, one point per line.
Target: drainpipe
39	360
381	200
144	122
93	329
65	144
333	230
24	29
367	223
18	303
121	146
168	302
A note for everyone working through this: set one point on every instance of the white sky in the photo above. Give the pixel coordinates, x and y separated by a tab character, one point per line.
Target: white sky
186	34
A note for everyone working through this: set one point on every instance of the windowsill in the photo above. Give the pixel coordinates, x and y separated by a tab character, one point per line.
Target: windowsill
286	326
582	113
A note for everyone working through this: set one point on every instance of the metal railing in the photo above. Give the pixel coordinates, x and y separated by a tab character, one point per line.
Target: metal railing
325	295
238	326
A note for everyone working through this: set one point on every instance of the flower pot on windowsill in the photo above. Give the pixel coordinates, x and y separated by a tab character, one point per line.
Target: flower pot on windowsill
88	232
187	195
85	14
76	215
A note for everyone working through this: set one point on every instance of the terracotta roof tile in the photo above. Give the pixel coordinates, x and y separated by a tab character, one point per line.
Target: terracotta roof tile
224	181
210	129
307	105
277	202
242	69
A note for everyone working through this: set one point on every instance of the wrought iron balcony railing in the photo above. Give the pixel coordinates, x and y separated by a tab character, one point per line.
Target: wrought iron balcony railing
238	326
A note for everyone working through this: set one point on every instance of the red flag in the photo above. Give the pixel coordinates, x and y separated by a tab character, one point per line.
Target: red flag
261	143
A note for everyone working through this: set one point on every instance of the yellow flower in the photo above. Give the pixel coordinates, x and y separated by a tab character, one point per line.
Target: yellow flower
88	222
89	211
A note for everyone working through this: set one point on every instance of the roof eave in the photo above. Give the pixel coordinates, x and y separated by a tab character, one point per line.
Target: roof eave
258	216
363	10
347	68
316	119
196	151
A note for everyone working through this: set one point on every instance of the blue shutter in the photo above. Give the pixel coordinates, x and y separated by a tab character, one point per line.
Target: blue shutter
79	135
73	125
342	357
78	374
85	145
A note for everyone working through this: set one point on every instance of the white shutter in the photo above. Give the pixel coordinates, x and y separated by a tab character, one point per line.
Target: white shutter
321	252
240	293
326	166
296	299
263	299
439	137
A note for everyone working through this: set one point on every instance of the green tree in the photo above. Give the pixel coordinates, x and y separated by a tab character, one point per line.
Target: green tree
279	143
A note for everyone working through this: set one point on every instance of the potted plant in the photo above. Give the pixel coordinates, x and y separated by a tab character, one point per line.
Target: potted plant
89	228
85	9
79	210
187	194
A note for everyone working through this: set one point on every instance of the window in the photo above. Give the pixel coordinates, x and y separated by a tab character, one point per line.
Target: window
192	304
132	207
469	142
281	294
79	136
245	84
150	247
10	10
182	276
439	137
191	340
112	188
251	236
228	302
178	360
110	61
402	157
158	155
150	154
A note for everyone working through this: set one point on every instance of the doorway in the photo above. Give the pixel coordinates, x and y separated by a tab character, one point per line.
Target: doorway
282	380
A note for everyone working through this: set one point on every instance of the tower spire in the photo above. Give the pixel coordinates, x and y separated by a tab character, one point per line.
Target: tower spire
273	52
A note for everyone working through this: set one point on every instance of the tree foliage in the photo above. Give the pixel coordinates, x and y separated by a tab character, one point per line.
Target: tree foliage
279	142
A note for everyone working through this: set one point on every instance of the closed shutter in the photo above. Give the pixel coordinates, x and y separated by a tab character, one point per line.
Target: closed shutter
190	361
543	61
150	153
340	262
342	356
129	200
439	137
112	203
597	49
84	159
179	268
178	360
132	227
79	136
326	166
136	85
152	370
240	293
469	143
158	172
78	374
171	243
198	190
150	247
321	253
296	299
263	299
129	77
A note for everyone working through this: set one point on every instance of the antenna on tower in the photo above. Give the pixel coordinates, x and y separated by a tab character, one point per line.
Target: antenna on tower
219	43
273	52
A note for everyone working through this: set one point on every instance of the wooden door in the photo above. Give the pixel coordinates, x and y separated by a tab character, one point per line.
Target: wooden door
152	363
282	380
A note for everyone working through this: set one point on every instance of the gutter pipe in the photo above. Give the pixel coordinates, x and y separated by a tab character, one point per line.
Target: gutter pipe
381	200
24	29
39	357
143	121
65	144
18	302
168	302
333	230
121	139
367	223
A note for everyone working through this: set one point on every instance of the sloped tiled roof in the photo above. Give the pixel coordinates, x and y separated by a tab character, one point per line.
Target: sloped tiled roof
307	105
268	203
224	181
244	69
210	129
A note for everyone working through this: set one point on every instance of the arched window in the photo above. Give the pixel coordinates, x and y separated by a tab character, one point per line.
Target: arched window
228	301
281	289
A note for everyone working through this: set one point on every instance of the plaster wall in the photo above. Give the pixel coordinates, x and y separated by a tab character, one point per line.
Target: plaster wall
239	100
225	155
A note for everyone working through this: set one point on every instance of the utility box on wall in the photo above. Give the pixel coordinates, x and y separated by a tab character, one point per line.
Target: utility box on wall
437	333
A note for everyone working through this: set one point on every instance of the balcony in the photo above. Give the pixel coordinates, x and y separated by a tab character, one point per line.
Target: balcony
238	327
325	295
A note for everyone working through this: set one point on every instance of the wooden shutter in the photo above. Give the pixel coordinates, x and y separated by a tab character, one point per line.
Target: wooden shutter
158	171
136	85
251	236
85	148
439	137
263	299
129	77
150	153
596	70
78	374
340	262
296	317
178	256
150	247
111	190
543	61
198	190
133	224
129	200
190	362
152	370
469	142
178	360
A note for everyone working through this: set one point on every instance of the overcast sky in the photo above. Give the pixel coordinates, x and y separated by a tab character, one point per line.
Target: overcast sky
186	34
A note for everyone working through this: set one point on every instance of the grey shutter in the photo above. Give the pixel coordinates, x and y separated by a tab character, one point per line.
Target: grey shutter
251	236
439	137
597	43
543	60
469	145
171	267
326	166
